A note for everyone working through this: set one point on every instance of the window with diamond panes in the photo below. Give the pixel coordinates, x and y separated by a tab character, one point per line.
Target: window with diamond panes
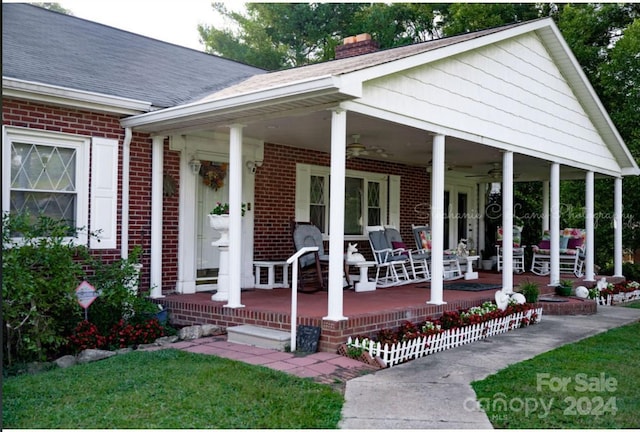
353	203
318	205
43	181
373	204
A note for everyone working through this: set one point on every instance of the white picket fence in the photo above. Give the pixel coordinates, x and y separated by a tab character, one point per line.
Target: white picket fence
613	299
419	347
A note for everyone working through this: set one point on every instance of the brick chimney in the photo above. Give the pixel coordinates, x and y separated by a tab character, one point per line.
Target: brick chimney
356	45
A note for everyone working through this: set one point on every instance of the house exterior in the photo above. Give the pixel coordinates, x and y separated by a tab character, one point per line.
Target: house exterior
159	134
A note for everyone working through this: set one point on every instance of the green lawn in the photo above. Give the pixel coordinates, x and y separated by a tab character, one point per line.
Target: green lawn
590	384
168	389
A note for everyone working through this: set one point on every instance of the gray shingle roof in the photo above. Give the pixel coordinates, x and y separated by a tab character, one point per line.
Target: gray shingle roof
52	48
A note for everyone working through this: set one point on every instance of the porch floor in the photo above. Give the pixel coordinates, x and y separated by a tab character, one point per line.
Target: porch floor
366	312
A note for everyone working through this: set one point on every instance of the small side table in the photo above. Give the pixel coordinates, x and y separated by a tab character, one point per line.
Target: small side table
469	273
363	284
271	274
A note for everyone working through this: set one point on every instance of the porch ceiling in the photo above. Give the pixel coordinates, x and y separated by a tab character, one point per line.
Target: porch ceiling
404	145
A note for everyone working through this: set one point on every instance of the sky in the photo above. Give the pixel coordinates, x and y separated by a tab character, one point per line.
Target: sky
172	21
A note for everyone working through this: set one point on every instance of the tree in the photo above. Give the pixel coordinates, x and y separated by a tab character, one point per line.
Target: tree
280	35
56	7
468	17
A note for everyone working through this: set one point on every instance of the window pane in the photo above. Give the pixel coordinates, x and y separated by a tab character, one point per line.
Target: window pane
462	216
39	167
54	205
373	204
446	219
353	206
317	210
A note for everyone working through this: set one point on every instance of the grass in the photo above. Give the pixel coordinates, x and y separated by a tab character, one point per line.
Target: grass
633	304
602	379
168	389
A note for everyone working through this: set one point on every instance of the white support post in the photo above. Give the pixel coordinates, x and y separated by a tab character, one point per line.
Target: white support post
507	222
437	220
482	204
157	169
235	216
555	225
617	227
589	226
335	310
545	206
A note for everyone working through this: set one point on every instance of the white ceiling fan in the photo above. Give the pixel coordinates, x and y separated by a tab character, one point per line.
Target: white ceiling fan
356	149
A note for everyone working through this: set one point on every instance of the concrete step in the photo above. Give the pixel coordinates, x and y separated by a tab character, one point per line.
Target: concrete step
262	337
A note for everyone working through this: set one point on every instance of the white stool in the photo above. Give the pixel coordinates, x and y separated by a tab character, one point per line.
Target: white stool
271	275
363	284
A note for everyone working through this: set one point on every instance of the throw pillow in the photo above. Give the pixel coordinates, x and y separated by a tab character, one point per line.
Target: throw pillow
545	244
574	243
564	241
398	245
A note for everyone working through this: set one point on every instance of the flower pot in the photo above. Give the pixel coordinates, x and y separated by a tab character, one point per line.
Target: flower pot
486	264
563	290
220	223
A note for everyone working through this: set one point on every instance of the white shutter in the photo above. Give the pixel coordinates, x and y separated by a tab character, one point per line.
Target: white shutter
394	200
104	192
303	185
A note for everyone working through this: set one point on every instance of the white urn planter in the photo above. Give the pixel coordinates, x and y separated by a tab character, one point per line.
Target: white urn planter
220	223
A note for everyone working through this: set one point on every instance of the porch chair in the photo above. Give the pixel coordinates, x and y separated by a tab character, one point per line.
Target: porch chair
313	267
518	249
572	252
418	260
391	262
451	265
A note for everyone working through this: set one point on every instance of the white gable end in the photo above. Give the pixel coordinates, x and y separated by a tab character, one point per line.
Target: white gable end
509	93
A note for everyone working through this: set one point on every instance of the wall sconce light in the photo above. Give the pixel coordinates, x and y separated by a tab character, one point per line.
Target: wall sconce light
195	166
252	166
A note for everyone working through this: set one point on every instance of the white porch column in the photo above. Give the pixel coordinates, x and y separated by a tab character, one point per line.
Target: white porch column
235	215
617	227
157	169
545	206
482	204
507	222
589	211
437	220
335	310
554	277
187	217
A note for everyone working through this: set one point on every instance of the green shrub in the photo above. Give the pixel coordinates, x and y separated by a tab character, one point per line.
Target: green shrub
41	270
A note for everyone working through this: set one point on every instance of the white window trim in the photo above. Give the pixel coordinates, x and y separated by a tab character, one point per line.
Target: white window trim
303	176
39	137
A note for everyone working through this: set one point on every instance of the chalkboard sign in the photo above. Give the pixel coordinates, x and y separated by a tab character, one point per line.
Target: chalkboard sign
307	338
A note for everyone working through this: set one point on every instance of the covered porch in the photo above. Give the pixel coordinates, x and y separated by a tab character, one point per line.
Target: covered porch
367	312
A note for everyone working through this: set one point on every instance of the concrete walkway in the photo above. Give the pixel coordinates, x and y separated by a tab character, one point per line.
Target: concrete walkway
434	392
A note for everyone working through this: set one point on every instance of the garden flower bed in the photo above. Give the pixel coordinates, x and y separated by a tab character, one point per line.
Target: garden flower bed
616	293
452	329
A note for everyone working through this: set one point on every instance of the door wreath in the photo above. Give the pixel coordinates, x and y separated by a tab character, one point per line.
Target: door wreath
213	174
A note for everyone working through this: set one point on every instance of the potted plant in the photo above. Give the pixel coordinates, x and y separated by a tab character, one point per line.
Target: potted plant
565	288
529	290
486	262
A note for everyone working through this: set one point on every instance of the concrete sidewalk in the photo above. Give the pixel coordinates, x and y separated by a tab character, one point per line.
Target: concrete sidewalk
434	392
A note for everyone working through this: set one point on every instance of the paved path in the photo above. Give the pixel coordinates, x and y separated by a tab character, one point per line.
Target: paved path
432	392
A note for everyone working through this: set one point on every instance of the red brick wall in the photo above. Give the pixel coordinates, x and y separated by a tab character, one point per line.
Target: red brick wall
79	122
276	189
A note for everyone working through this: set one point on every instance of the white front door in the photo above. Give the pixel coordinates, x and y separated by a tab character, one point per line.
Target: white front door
207	255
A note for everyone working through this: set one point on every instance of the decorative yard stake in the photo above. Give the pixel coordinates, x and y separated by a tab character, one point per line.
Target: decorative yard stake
86	294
